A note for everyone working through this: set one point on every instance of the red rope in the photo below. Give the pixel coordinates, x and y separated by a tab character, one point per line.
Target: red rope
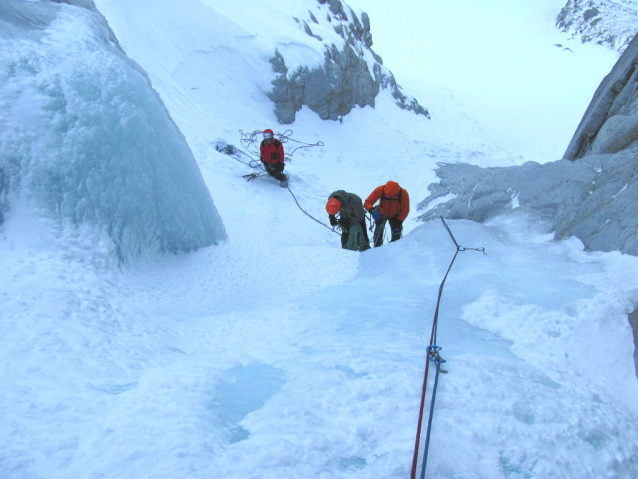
425	384
427	358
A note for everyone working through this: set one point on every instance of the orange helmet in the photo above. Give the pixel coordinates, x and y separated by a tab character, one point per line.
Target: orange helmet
333	206
392	189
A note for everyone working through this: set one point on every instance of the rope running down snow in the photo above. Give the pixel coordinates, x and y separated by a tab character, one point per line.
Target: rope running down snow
308	214
433	355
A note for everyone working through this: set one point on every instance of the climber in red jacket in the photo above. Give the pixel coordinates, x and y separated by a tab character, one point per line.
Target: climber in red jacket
272	156
393	207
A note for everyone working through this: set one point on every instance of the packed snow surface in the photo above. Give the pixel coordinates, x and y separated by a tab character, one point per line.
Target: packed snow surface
277	354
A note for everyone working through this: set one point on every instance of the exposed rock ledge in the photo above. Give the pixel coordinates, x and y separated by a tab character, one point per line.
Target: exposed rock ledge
608	23
595	199
344	80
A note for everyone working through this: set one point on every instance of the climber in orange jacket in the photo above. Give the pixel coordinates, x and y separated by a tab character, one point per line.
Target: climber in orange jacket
271	154
394	206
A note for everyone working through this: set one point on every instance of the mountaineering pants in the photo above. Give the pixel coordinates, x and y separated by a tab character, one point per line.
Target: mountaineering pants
396	225
276	170
345	234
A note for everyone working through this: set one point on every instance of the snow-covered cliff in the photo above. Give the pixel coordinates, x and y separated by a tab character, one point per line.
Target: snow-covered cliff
350	75
611	23
85	138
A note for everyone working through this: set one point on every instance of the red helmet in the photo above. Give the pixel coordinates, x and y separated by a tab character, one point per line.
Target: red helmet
268	133
392	189
333	206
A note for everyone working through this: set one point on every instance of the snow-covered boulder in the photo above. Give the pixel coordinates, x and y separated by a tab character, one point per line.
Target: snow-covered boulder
351	74
85	138
611	23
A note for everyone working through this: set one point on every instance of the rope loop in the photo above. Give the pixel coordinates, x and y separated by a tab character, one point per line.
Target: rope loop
251	140
252	176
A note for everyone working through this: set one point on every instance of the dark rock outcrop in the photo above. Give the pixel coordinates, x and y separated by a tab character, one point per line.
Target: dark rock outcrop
344	80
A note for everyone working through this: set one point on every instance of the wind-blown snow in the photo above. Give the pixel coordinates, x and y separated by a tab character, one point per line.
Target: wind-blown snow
277	354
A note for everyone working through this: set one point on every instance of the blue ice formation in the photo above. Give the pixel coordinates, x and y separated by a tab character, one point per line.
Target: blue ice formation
85	138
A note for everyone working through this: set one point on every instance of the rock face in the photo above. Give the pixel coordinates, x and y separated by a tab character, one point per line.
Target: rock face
595	200
609	23
351	74
610	123
633	321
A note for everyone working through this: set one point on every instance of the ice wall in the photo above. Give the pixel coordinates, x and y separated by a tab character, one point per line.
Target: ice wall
84	136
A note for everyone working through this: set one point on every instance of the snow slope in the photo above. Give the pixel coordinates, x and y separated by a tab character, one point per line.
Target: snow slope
277	354
502	63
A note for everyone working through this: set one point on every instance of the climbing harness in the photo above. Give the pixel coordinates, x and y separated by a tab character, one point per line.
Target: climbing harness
381	230
433	356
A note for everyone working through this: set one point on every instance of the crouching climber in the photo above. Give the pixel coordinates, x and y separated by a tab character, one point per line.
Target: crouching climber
272	156
352	220
394	206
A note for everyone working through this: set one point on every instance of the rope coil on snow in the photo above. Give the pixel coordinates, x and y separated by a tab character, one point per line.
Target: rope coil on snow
249	141
285	137
433	356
